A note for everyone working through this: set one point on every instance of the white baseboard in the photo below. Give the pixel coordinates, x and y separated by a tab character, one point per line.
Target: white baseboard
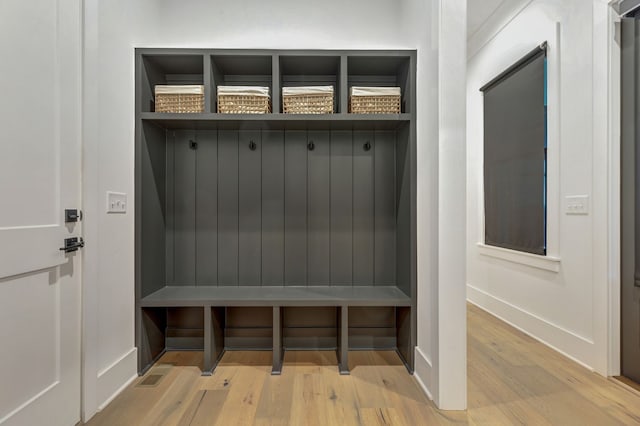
116	377
423	372
571	345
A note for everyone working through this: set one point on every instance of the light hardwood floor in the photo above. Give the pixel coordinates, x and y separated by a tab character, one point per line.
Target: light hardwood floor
512	379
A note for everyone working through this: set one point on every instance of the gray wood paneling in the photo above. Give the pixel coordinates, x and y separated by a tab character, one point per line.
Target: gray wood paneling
253	317
372	317
184	209
363	211
318	202
295	195
250	208
227	208
272	207
309	316
341	207
384	209
207	208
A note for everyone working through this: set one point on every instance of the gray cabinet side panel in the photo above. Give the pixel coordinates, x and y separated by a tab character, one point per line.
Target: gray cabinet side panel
384	209
341	207
152	236
295	195
250	208
169	220
272	207
207	208
363	211
184	209
403	231
318	202
227	208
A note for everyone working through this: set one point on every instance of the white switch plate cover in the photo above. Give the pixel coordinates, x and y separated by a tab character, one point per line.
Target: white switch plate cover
577	205
116	202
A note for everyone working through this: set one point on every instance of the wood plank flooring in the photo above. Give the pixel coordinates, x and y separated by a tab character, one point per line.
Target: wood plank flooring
512	379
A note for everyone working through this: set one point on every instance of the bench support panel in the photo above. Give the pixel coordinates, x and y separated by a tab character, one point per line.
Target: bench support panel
343	339
278	350
213	338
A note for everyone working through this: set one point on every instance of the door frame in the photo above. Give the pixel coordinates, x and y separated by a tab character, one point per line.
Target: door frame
614	178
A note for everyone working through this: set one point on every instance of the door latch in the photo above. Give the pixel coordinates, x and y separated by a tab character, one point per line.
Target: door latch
72	244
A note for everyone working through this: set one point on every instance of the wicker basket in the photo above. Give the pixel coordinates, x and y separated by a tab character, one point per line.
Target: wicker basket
374	100
180	99
243	100
307	100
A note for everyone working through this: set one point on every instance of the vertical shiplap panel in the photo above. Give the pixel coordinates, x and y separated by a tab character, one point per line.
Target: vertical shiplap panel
363	207
207	208
227	208
385	208
184	211
250	208
272	207
318	213
341	207
295	196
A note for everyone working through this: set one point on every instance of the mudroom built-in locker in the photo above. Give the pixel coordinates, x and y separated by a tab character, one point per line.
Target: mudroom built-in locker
275	231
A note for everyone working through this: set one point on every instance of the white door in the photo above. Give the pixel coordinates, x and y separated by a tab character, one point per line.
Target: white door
40	155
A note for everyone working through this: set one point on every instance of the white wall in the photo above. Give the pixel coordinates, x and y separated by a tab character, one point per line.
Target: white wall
439	28
113	29
568	308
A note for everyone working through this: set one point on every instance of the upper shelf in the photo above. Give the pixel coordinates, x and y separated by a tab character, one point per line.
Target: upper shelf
275	69
289	121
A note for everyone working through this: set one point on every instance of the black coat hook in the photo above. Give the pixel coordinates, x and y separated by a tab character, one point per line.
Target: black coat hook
193	144
311	146
367	146
252	146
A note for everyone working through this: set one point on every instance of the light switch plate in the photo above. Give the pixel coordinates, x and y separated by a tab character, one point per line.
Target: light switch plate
577	205
116	202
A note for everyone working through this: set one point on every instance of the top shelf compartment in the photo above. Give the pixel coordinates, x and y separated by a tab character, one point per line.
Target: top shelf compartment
299	70
274	69
167	69
240	70
381	71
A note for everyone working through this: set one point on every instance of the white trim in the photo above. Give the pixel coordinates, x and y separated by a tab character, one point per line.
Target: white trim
614	341
110	380
115	363
552	335
116	393
30	401
90	203
423	372
547	263
506	12
554	202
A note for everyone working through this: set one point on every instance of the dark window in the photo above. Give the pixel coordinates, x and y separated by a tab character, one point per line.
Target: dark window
515	156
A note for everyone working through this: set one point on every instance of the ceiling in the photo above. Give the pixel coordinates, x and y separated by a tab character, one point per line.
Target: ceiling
478	11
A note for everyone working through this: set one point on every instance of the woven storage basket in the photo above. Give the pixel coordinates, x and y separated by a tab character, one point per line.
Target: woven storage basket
374	100
180	99
307	100
243	100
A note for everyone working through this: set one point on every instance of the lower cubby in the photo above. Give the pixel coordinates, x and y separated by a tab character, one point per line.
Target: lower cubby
216	329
